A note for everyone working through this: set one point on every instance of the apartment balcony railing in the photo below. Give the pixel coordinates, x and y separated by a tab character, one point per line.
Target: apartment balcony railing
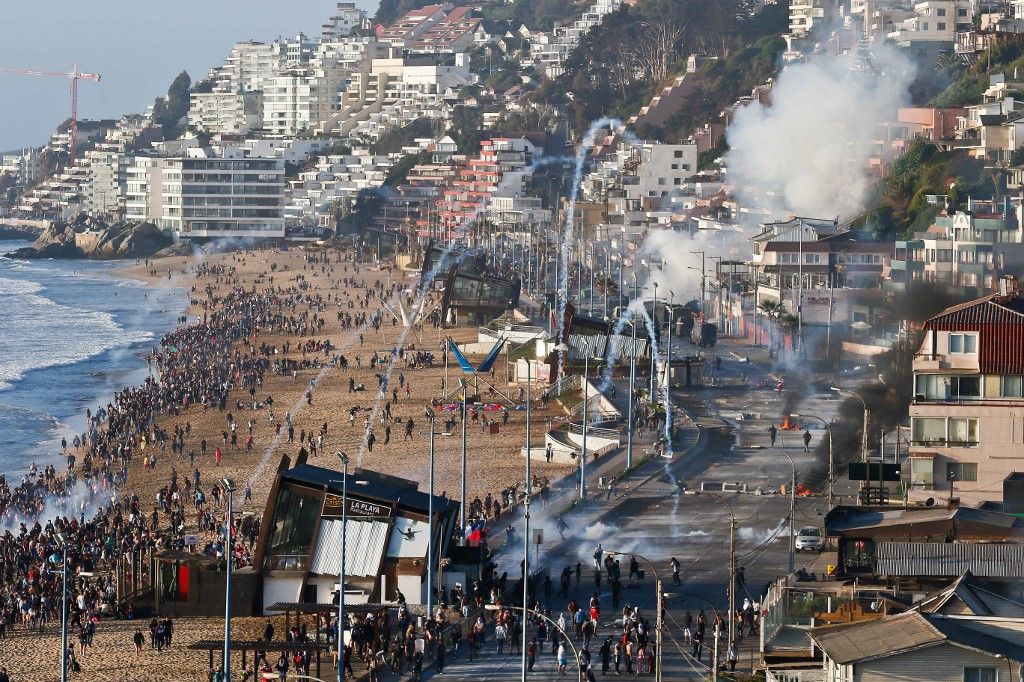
944	443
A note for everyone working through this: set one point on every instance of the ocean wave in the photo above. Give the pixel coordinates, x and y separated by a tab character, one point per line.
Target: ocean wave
38	332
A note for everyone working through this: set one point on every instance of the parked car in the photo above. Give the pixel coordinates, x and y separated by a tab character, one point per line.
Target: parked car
809	538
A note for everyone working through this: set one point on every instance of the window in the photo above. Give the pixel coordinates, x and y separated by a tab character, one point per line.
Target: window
812	257
941	12
965	387
961	471
926	430
1012	387
941	26
981	675
963	432
678	153
963	343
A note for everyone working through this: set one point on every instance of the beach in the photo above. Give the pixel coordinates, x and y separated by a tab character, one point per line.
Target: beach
495	462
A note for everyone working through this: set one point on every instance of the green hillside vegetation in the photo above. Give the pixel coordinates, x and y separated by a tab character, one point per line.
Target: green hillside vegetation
968	83
901	208
622	63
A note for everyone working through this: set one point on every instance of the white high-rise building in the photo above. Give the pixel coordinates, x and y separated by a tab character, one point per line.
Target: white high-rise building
348	19
201	196
225	113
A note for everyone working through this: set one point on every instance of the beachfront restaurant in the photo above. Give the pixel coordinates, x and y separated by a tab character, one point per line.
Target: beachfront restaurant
386	537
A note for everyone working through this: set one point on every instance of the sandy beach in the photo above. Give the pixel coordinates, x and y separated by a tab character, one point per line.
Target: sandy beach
494	459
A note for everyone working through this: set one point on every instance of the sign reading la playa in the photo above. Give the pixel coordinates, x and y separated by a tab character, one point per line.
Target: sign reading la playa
332	507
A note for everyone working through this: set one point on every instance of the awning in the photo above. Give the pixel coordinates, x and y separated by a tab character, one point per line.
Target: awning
364	547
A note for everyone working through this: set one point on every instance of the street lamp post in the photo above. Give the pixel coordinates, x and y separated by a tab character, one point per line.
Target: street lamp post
64	609
831	459
792	510
586	414
430	521
526	520
864	434
565	637
732	566
657	605
343	458
668	378
465	403
654	333
632	379
229	488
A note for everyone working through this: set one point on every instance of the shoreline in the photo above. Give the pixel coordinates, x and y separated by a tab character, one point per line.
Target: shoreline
342	288
113	375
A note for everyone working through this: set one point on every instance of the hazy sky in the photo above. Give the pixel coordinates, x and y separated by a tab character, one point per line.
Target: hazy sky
138	46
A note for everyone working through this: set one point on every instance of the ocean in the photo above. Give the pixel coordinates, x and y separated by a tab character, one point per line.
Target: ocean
72	334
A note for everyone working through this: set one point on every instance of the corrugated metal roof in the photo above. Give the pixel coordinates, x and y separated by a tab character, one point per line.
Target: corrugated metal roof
364	547
985	560
905	632
846	644
1000	321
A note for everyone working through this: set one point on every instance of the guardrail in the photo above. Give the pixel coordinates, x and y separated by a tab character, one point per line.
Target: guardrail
596	431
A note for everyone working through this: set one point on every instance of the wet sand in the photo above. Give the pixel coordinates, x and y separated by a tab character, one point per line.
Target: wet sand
494	460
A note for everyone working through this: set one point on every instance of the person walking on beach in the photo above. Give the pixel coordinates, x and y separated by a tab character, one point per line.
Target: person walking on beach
139	640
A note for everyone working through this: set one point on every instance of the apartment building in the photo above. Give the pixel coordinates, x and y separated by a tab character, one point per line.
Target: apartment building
291	103
967	416
26	166
413	25
814	270
456	32
500	170
204	196
933	26
811	21
348	19
967	251
106	182
549	51
333	180
225	113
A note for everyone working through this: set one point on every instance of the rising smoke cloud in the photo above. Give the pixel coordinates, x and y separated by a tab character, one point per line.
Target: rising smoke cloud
807	153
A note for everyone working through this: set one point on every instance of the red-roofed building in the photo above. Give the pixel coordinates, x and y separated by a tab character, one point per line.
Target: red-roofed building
967	416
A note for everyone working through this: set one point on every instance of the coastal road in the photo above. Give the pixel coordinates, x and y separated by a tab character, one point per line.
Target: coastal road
662	515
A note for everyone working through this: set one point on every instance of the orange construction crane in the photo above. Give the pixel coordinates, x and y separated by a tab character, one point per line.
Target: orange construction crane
74	75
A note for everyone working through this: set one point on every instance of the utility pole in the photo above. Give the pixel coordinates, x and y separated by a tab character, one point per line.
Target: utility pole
654	334
586	414
632	379
465	391
430	522
526	525
732	581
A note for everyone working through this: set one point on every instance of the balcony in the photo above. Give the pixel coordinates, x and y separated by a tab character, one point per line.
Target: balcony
943	443
927	361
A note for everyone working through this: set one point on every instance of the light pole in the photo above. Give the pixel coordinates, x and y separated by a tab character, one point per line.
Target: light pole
343	458
792	509
654	334
526	520
668	379
465	403
229	488
430	520
565	637
63	608
657	605
702	270
632	377
831	459
864	435
732	566
586	414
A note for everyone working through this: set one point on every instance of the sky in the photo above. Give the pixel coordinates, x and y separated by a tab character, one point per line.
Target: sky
137	46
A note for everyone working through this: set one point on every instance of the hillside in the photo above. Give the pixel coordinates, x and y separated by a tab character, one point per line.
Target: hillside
639	49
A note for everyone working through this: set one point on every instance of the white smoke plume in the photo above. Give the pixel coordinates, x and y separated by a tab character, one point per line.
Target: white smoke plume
807	153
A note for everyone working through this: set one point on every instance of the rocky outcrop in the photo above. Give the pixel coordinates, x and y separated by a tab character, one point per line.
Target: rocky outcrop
87	239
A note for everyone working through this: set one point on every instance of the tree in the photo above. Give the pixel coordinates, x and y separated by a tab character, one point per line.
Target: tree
167	112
